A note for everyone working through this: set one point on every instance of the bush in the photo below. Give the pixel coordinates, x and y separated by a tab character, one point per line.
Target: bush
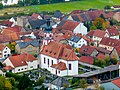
1	6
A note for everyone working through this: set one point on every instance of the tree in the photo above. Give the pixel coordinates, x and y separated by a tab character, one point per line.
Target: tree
105	25
8	85
41	80
107	7
98	23
24	82
83	83
102	16
93	27
1	6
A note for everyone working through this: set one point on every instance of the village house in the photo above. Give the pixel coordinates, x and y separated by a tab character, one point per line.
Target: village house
71	26
57	16
4	51
113	32
36	16
20	63
109	43
115	84
96	36
14	20
31	47
59	59
5	24
58	83
9	2
77	41
115	7
116	16
88	51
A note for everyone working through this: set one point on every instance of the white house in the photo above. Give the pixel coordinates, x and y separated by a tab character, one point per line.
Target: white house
59	59
9	2
72	26
77	41
4	51
20	63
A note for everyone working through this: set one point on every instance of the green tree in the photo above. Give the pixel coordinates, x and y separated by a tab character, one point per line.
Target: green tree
1	6
93	27
24	82
40	80
83	83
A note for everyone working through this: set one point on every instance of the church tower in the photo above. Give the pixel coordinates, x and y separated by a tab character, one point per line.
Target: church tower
48	35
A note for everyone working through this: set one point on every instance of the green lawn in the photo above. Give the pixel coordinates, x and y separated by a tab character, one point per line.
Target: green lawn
64	7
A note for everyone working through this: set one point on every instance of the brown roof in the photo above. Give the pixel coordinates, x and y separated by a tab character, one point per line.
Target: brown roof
20	60
35	16
2	47
116	82
118	49
86	50
59	50
14	29
4	38
70	25
113	31
7	23
8	68
60	66
97	33
87	59
101	56
116	6
109	42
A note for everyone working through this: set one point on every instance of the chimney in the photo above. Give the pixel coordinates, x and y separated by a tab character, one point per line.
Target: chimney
48	22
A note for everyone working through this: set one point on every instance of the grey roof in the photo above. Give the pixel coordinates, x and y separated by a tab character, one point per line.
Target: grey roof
75	38
36	24
57	14
34	43
61	23
96	72
75	18
60	81
85	17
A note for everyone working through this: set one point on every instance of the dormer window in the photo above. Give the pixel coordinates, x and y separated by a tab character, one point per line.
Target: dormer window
54	53
50	35
65	55
46	50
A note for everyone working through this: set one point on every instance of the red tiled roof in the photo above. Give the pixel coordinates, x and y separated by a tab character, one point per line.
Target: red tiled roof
2	47
20	60
90	33
101	56
59	50
86	49
35	16
14	29
6	22
109	42
70	25
60	66
113	31
4	38
99	33
8	68
116	82
118	49
87	59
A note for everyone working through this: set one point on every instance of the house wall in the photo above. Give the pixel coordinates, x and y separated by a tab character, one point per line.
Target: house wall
94	53
74	67
12	20
81	29
32	64
58	72
114	54
8	62
9	2
110	86
79	44
107	47
20	69
45	65
6	52
29	49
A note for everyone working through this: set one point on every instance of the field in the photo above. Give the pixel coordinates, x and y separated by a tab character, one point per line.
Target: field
64	7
